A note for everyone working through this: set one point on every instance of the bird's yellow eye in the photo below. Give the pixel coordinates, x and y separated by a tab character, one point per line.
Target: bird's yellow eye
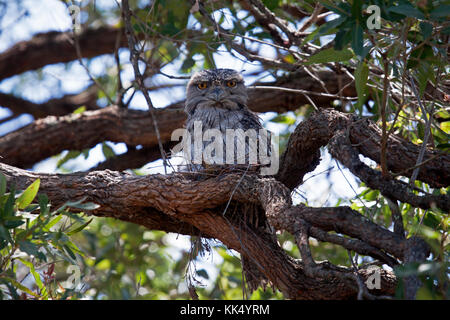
202	85
231	83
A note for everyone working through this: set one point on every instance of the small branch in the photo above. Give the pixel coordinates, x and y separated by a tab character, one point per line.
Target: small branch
341	149
384	137
120	90
134	57
54	107
305	92
312	19
427	132
269	18
88	72
240	48
302	239
353	244
397	218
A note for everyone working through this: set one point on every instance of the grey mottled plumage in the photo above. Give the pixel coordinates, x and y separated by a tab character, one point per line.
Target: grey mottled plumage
218	99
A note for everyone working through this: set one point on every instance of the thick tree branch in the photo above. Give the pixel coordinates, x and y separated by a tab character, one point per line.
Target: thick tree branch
150	200
302	152
55	47
78	133
53	107
133	158
341	149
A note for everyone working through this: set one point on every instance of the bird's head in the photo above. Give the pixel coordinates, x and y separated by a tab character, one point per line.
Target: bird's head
217	88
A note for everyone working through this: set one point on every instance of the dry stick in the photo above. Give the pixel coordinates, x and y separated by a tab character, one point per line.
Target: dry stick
427	133
272	18
357	276
301	235
320	94
403	172
397	218
383	164
312	270
241	49
120	89
404	58
312	19
140	81
80	59
353	244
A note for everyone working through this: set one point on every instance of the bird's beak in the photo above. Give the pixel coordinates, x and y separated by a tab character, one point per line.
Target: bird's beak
217	93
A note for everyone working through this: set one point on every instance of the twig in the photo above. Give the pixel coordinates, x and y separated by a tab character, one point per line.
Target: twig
134	57
320	94
383	160
312	19
174	77
272	18
397	218
80	59
241	49
427	132
401	173
120	89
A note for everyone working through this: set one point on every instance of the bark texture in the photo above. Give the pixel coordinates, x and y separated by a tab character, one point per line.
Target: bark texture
194	205
176	203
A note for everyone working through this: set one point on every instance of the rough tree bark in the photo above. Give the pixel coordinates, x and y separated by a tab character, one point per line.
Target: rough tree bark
190	205
180	203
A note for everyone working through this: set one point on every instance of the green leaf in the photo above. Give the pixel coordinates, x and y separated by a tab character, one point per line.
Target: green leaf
431	220
70	252
358	40
20	286
446	30
442	11
283	119
72	154
330	55
343	37
86	206
271	4
79	110
427	29
85	153
4	234
52	222
11	224
187	64
361	76
2	184
37	277
407	10
29	247
78	229
444	146
372	195
78	205
342	9
107	151
28	195
323	29
8	209
445	126
31	207
43	203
